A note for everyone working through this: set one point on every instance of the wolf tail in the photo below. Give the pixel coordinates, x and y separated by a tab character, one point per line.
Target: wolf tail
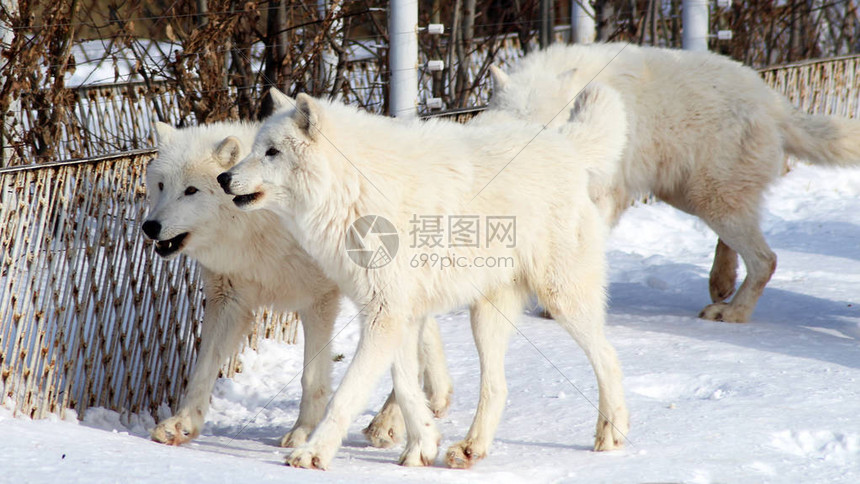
598	128
822	140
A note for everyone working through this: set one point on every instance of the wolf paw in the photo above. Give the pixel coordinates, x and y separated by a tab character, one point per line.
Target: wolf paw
306	459
439	404
385	430
415	456
463	455
176	430
611	435
725	312
296	437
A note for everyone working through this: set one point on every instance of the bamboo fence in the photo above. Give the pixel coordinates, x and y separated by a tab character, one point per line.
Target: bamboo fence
89	315
824	86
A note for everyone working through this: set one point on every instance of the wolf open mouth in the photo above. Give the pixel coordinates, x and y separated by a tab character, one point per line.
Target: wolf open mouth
242	200
166	248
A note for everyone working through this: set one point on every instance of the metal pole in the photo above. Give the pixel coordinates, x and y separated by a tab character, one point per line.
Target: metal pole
694	20
202	13
582	27
403	58
545	34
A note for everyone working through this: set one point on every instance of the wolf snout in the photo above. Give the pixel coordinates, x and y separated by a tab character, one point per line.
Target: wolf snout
152	228
224	180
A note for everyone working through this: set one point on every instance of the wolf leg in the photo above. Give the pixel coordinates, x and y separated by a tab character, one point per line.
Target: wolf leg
573	290
386	428
584	321
381	333
724	272
423	438
318	326
225	322
437	381
743	234
492	321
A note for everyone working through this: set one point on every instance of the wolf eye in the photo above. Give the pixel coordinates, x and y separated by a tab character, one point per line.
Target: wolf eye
272	152
191	190
161	186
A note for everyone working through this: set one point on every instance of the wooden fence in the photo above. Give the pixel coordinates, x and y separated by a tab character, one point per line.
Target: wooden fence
89	316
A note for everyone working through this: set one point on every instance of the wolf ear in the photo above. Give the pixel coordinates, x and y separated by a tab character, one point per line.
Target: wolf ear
280	100
500	79
307	115
228	151
164	132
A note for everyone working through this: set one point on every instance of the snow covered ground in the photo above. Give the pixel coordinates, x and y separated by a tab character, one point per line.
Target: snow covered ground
775	400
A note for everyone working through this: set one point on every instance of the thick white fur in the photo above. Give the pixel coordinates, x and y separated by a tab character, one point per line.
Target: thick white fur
707	136
323	166
250	262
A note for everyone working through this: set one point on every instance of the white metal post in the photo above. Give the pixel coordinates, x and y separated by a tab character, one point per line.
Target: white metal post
694	20
403	58
582	27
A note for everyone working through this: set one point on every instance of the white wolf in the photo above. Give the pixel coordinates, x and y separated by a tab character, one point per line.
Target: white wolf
325	167
249	262
706	136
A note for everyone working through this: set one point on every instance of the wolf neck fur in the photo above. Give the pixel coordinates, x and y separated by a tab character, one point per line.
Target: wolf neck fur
321	228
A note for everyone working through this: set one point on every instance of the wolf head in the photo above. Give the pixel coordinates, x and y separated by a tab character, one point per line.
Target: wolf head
183	194
287	162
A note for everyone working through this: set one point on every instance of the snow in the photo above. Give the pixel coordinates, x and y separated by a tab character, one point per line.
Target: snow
101	62
775	400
